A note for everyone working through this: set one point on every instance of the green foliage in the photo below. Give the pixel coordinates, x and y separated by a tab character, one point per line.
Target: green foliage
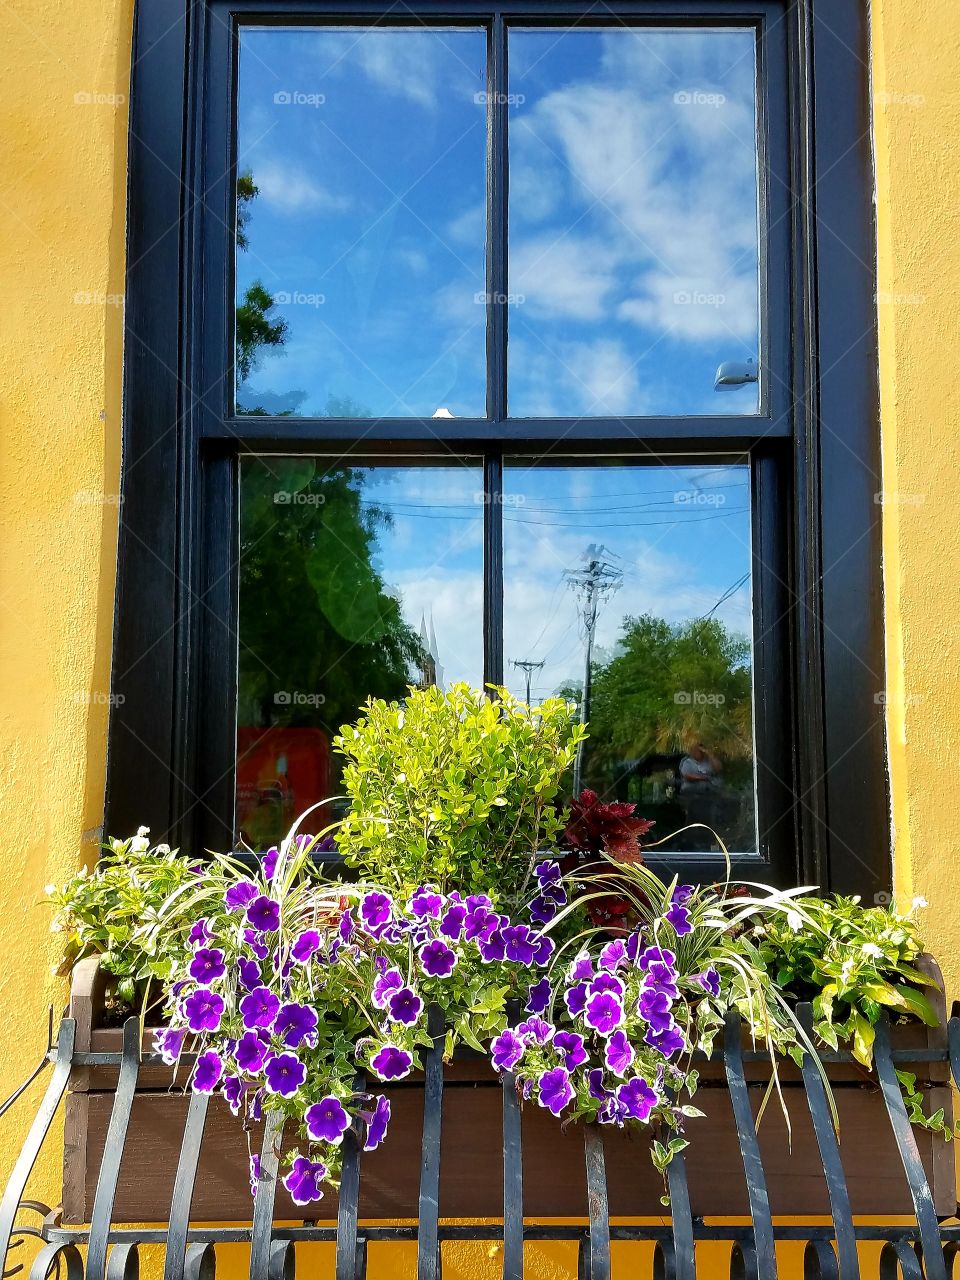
106	913
455	789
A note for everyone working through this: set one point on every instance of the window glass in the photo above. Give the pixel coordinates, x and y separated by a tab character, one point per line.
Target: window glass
355	581
633	261
360	210
641	577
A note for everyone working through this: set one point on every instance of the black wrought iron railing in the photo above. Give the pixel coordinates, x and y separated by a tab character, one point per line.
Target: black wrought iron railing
922	1248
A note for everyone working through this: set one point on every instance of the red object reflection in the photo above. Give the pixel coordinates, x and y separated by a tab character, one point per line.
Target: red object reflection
280	772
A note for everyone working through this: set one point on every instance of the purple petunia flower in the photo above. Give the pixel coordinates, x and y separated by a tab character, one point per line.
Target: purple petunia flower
606	982
305	946
569	1044
556	1091
475	900
425	902
535	1030
492	947
250	1052
575	998
295	1023
618	1054
613	955
284	1074
654	1007
682	895
269	862
303	1180
392	1063
542	910
203	1010
451	926
479	922
595	1086
263	914
200	934
543	950
547	872
259	1008
637	1098
240	894
709	980
327	1121
346	926
582	968
233	1090
404	1006
679	917
384	985
519	948
249	974
612	1111
255	1106
377	1124
168	1042
376	910
538	996
668	1042
654	955
507	1050
256	944
438	960
660	977
207	1072
604	1012
207	965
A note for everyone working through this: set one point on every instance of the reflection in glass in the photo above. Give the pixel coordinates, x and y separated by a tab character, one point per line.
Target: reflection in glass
633	221
360	210
355	581
635	582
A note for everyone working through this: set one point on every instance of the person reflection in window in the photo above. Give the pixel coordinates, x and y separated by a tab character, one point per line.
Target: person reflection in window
700	780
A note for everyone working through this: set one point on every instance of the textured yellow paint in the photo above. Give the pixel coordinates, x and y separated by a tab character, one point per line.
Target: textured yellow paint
62	208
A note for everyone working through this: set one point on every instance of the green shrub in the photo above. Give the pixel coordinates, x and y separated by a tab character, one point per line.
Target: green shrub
455	789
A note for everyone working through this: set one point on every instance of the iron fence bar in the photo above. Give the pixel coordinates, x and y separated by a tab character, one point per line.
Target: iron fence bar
953	1048
113	1147
51	1256
684	1251
763	1237
261	1228
38	1132
348	1208
175	1256
923	1206
512	1170
428	1239
899	1261
829	1156
598	1256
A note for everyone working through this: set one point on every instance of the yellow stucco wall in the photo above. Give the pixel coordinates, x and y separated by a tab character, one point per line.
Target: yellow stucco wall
65	71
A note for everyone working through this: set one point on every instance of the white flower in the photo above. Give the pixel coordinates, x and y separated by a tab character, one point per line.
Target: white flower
846	970
49	889
917	903
163	848
795	921
871	949
139	844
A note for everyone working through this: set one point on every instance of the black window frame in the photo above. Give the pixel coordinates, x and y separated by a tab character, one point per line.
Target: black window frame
814	444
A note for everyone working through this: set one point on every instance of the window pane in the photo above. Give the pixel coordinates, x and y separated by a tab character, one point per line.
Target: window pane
360	249
648	568
633	222
355	581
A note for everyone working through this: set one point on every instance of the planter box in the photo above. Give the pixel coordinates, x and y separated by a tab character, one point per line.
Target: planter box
472	1151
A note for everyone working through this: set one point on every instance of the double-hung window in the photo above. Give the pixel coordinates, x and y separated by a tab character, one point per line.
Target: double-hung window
514	344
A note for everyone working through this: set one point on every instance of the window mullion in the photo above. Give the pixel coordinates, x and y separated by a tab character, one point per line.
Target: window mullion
496	265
